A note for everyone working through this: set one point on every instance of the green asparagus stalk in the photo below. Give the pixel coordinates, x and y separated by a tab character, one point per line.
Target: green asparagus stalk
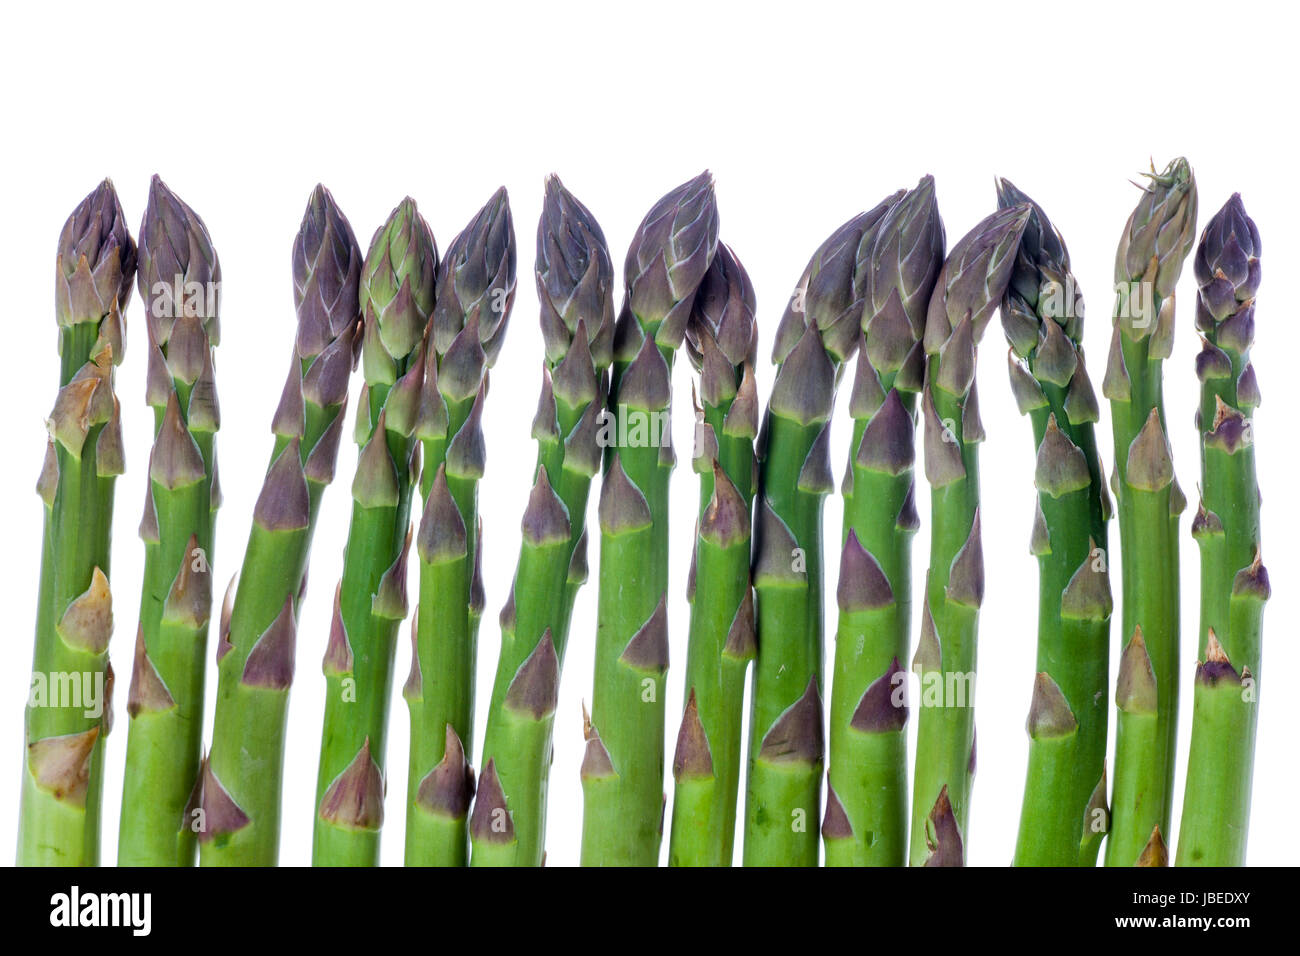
238	811
865	823
397	289
1156	241
970	286
722	342
69	707
476	288
818	333
1234	583
1042	316
575	288
622	770
180	283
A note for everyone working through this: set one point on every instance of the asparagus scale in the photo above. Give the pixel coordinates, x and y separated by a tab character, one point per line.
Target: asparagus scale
180	281
238	823
69	704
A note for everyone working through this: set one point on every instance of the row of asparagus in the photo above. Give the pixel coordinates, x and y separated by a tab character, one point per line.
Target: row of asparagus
882	294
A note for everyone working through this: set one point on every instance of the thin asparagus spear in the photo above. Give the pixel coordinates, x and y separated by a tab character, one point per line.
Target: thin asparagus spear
1234	584
722	341
180	282
622	771
575	279
970	286
866	798
1042	316
818	333
476	288
1156	240
238	822
397	291
69	706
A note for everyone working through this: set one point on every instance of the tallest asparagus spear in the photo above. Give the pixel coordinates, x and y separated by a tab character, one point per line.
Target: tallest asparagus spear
1157	239
64	766
622	772
970	286
1042	316
240	798
180	281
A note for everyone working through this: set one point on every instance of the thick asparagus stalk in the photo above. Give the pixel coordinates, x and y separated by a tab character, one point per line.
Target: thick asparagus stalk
970	286
69	707
397	291
476	288
1042	316
575	288
818	333
1234	584
866	800
1156	240
622	772
722	341
239	819
180	283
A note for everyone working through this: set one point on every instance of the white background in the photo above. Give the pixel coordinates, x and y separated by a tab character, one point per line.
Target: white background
806	113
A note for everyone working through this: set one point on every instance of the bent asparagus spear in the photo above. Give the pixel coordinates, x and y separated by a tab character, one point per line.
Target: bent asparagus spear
1042	316
866	799
69	702
239	799
1234	583
180	282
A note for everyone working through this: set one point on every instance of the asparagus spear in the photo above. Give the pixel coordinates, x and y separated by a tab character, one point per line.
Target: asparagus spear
866	798
476	287
1156	240
180	282
238	822
818	333
622	771
574	285
722	342
970	286
69	705
1042	316
1234	583
396	296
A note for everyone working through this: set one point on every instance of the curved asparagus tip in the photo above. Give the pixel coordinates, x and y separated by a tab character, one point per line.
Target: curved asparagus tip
575	276
669	256
831	295
326	274
477	275
176	257
1160	230
96	232
975	276
906	260
722	318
